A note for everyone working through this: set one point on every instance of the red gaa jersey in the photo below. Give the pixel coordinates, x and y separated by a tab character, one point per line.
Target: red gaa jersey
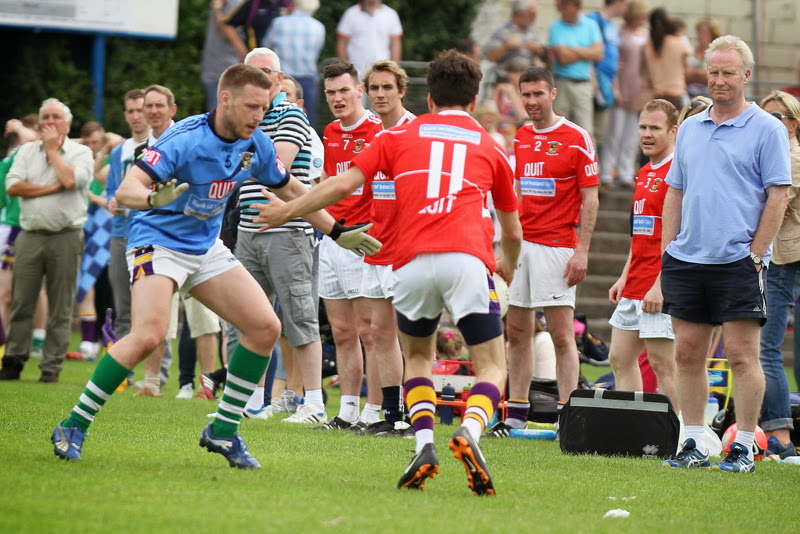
648	203
384	228
342	144
553	165
443	165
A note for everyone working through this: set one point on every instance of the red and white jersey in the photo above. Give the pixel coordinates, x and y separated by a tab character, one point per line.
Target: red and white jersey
342	144
648	204
384	228
444	165
552	165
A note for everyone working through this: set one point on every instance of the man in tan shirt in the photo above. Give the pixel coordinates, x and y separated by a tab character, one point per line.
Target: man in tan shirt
51	177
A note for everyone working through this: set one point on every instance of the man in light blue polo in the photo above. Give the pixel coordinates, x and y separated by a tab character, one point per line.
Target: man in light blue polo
727	195
575	43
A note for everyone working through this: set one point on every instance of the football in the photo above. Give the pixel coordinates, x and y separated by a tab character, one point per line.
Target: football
759	446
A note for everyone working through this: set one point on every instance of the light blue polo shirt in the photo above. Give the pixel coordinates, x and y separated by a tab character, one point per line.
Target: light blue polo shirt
583	34
724	172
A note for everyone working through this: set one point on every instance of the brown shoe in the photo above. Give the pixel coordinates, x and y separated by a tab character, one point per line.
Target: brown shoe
48	378
147	392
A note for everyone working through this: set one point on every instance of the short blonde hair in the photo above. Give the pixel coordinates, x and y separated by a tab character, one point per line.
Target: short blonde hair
636	10
732	42
789	105
712	25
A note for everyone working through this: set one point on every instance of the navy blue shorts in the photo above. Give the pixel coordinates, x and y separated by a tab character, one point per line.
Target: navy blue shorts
713	293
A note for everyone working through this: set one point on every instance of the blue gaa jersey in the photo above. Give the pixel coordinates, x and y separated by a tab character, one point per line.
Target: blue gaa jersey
191	152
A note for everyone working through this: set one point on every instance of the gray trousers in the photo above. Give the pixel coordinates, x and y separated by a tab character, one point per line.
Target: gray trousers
56	259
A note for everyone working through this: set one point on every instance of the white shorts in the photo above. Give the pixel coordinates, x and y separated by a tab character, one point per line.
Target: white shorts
539	279
377	281
432	282
340	271
628	315
187	270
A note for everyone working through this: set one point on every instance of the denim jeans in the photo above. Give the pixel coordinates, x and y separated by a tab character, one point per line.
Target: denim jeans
783	288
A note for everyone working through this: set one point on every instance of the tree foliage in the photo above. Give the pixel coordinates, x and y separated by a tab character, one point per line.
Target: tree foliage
47	64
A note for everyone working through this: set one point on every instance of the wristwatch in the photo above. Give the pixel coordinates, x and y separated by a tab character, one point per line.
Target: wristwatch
756	259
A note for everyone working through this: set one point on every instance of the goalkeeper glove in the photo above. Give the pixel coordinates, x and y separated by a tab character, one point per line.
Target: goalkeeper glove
165	193
355	238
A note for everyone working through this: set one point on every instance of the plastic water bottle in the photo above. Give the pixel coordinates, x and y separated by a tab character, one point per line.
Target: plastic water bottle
446	412
712	407
532	433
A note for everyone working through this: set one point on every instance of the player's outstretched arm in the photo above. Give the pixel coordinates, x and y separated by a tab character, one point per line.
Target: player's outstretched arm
299	201
308	204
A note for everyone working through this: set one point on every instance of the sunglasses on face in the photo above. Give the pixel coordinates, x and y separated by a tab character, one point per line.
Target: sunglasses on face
780	116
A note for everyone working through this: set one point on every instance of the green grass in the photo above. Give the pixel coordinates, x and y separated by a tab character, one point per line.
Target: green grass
144	472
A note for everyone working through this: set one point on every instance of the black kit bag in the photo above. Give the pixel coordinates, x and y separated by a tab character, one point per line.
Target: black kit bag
619	423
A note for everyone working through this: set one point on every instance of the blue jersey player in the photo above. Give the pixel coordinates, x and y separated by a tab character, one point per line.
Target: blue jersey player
173	245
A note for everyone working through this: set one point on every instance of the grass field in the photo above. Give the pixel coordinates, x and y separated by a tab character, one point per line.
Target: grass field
143	471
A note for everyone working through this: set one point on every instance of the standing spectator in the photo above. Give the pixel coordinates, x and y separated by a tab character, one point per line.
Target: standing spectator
575	43
121	160
697	70
368	32
620	140
605	70
517	38
638	322
294	93
666	57
443	255
297	39
509	102
251	19
783	289
283	260
716	246
97	237
219	52
18	132
51	178
470	48
556	173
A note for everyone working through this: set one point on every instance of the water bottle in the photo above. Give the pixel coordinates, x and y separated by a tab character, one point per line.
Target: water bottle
712	407
532	433
446	412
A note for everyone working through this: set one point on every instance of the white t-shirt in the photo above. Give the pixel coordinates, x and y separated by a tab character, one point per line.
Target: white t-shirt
369	35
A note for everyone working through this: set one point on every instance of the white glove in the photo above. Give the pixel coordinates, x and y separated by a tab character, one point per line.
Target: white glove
355	238
166	192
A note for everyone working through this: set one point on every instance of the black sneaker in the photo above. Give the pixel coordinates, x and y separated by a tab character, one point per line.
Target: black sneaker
12	368
423	465
399	429
378	427
468	452
500	430
337	423
359	426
